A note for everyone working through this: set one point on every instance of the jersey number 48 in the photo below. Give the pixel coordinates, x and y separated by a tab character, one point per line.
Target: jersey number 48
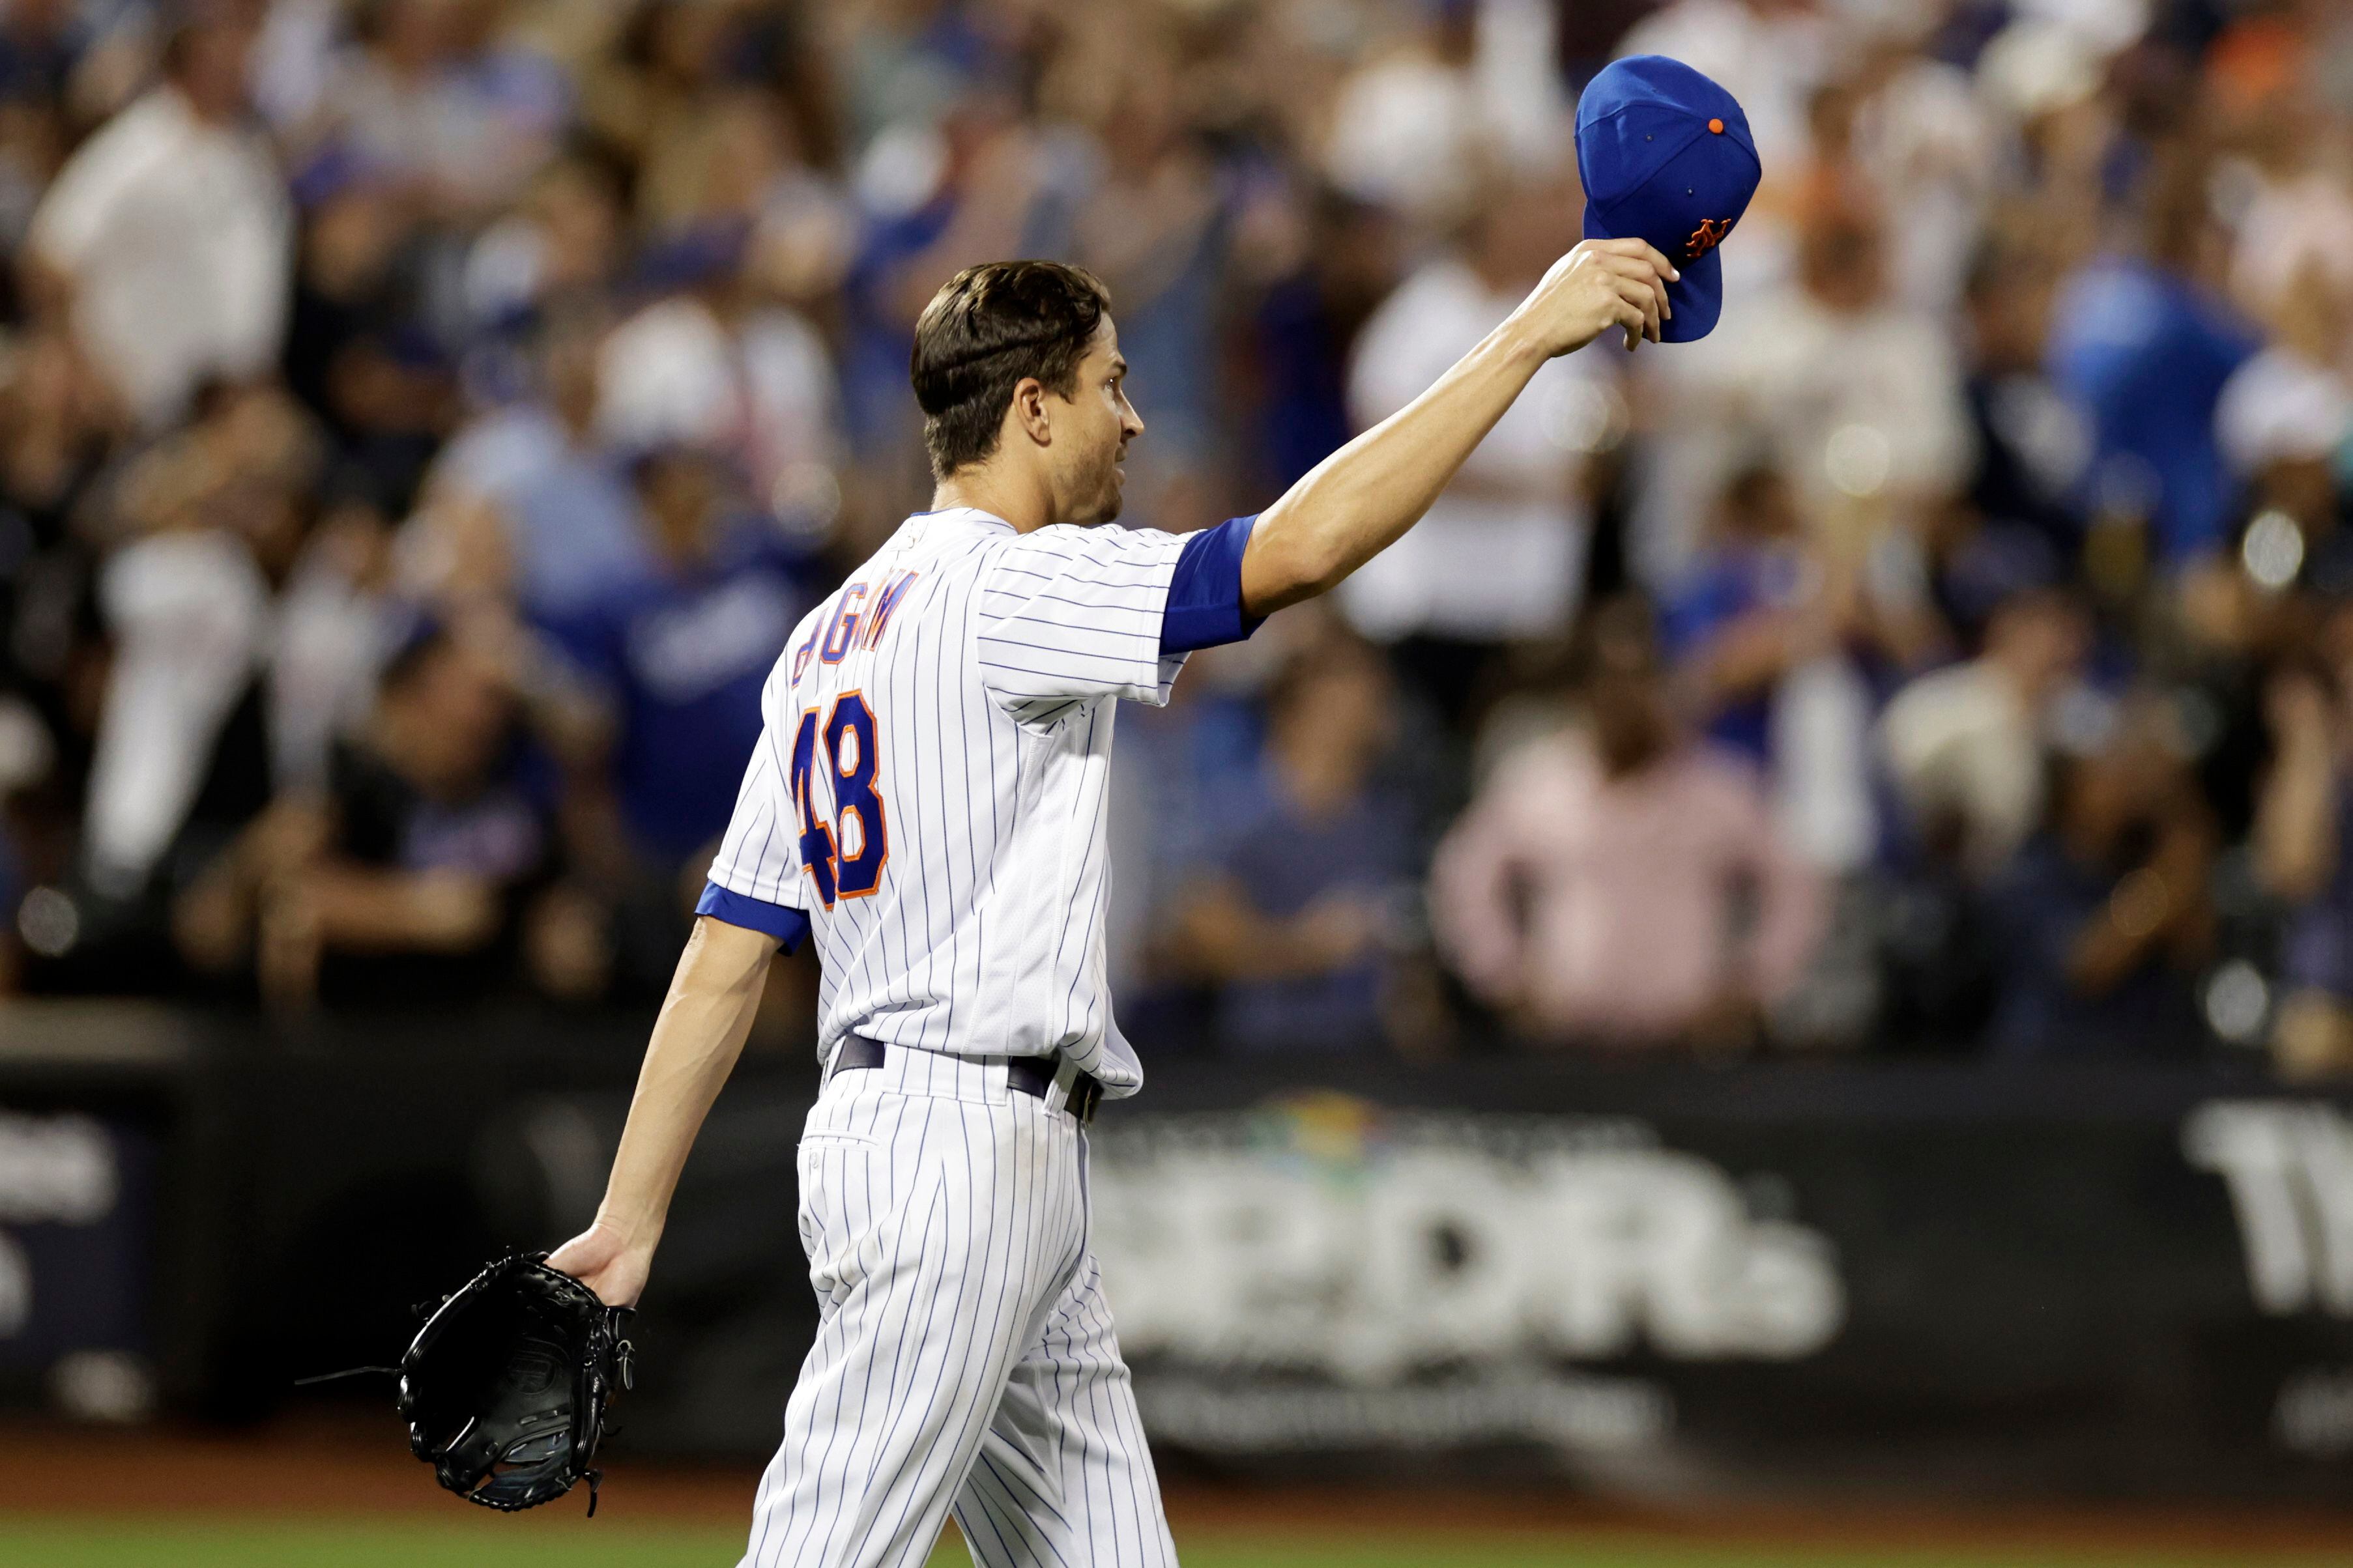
845	858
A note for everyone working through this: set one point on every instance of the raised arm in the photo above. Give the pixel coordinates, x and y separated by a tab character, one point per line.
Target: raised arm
695	1042
1360	500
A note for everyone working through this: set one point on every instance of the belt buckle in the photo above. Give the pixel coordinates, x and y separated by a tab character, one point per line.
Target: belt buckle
1080	1092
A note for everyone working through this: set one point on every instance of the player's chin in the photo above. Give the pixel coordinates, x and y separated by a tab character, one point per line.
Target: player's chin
1107	507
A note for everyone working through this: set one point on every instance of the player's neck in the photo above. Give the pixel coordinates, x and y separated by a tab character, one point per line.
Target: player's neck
1022	500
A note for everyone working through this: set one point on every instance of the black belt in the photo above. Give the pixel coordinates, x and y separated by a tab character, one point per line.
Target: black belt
1033	1076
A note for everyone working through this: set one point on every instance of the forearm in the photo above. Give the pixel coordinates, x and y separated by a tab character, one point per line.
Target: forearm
360	908
1218	941
2123	933
712	1001
1749	656
1224	939
2104	954
2296	833
1363	497
213	921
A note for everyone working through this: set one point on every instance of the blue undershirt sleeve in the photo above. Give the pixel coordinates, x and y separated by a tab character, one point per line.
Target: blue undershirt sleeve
790	926
1205	596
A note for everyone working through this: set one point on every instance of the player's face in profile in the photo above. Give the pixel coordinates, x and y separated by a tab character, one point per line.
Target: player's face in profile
1101	422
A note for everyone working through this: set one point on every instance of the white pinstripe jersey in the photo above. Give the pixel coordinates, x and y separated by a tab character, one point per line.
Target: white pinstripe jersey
930	786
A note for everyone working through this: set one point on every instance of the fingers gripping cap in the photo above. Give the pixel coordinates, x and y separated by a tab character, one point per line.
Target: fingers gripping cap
1665	156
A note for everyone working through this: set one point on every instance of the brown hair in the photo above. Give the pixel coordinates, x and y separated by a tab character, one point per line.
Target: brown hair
988	330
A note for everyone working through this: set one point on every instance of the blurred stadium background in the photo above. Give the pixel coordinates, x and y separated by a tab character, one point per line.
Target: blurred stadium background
1772	986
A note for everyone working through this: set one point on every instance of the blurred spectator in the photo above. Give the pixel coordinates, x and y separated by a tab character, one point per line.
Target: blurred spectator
675	657
1501	555
2040	306
2294	235
560	245
1293	913
1748	610
1153	228
2106	917
2282	420
1334	264
351	280
359	351
27	755
708	362
2300	855
1858	401
1771	633
743	164
1860	394
1966	743
2144	344
188	607
1920	137
2027	495
1855	397
2045	73
978	183
1770	54
410	885
339	620
1622	884
53	442
528	495
666	71
2225	625
432	97
41	41
1469	88
167	235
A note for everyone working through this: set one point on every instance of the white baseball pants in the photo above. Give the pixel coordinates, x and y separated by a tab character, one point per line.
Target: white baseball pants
964	1357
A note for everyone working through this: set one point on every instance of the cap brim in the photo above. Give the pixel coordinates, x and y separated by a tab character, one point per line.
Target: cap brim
1697	298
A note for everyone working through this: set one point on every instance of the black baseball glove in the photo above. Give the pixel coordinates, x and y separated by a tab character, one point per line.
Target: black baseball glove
505	1388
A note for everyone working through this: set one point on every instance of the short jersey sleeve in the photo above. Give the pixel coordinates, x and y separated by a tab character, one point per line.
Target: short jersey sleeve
1068	614
760	856
788	926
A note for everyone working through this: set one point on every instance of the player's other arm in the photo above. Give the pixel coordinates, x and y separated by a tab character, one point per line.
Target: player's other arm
700	1034
1362	498
749	908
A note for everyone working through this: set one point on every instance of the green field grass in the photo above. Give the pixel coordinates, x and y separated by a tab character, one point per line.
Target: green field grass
375	1543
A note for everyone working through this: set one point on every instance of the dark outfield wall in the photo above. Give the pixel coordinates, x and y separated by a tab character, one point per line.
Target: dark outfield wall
1665	1281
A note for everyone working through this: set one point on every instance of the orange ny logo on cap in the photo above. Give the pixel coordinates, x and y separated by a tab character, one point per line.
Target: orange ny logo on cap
1706	236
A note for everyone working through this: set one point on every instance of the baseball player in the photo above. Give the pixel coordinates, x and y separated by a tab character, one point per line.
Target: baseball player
927	805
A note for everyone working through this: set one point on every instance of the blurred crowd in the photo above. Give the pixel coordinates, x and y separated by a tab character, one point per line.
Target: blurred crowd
422	421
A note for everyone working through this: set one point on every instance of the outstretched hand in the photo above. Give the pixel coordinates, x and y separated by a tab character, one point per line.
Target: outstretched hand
1602	284
605	1261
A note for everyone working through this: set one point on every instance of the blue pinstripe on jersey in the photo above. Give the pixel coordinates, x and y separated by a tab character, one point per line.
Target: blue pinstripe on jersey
1001	655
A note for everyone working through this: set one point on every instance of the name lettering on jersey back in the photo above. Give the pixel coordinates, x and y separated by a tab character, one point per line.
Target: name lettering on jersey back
843	633
878	620
843	629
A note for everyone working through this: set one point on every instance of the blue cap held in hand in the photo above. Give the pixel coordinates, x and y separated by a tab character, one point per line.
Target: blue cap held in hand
1665	156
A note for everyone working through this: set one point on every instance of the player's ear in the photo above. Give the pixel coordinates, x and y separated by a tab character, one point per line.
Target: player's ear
1028	411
